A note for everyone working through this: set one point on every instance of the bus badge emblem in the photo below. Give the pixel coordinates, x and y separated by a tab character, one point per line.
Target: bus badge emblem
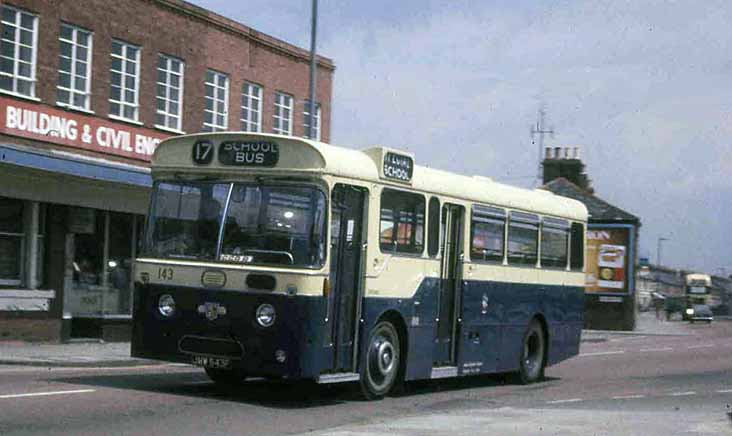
212	311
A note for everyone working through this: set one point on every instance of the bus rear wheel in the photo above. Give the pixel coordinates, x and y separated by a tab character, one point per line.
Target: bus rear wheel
531	368
380	369
226	377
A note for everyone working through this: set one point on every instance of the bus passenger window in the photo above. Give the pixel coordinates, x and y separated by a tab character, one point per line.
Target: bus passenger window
554	243
523	238
487	229
577	247
433	234
402	222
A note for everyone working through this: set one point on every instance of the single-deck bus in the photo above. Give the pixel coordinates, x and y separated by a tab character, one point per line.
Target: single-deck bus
275	256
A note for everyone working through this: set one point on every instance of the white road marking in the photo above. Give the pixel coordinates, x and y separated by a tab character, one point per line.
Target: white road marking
45	394
628	397
644	350
571	400
682	394
602	353
701	346
724	391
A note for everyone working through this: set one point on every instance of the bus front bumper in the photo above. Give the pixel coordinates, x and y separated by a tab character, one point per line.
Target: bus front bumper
220	329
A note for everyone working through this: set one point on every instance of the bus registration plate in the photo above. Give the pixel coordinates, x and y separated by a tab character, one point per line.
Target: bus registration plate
211	362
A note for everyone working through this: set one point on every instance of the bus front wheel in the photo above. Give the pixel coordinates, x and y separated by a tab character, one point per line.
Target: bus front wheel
380	368
531	368
226	377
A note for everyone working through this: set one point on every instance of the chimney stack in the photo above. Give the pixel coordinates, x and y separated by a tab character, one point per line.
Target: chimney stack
564	162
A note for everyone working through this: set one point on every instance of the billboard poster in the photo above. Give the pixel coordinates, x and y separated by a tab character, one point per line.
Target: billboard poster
607	260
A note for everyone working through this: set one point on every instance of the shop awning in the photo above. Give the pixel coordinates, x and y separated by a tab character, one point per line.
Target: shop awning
75	165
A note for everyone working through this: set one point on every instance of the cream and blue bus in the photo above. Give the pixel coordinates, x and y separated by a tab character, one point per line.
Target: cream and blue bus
280	257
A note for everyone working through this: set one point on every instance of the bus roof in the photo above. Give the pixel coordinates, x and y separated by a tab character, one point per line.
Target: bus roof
304	156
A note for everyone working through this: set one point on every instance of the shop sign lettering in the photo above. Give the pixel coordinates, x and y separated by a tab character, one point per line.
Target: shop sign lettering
48	124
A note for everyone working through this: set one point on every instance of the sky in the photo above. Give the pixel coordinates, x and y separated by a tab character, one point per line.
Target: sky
642	87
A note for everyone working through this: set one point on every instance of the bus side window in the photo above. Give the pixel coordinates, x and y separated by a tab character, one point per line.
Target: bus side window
433	237
401	227
487	230
577	247
523	238
554	246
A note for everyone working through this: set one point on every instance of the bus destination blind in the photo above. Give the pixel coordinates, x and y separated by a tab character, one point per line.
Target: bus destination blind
249	153
398	167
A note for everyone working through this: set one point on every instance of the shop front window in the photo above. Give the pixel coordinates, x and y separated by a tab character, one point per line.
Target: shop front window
11	242
119	261
104	248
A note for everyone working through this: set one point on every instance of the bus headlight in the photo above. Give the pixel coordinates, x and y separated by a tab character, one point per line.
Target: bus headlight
265	315
166	305
690	311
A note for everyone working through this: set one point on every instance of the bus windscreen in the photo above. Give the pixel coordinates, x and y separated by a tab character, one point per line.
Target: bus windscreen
264	224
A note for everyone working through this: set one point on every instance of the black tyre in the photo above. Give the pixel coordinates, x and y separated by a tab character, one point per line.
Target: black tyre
226	377
380	367
533	350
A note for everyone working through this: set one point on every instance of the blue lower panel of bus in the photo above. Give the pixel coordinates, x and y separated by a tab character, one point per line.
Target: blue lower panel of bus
489	337
494	318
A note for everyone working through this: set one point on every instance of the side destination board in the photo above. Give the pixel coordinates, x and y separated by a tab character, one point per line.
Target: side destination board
249	153
398	167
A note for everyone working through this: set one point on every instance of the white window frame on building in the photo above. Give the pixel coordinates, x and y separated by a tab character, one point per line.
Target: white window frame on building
306	121
125	77
216	109
169	93
283	113
19	35
74	69
251	107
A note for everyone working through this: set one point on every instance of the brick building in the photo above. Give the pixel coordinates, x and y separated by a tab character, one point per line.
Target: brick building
611	250
87	90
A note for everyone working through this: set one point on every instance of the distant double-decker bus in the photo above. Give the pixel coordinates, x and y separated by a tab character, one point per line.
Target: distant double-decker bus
275	256
698	290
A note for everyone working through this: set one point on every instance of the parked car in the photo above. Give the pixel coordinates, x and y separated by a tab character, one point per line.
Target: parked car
699	312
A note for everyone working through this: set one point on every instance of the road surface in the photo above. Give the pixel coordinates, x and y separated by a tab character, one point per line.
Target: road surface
643	385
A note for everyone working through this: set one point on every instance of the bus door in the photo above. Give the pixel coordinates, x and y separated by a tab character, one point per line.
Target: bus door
448	323
347	224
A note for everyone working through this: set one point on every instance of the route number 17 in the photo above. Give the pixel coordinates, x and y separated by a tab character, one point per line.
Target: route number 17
202	152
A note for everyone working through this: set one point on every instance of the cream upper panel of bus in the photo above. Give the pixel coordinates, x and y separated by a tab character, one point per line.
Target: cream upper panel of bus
294	155
305	156
484	190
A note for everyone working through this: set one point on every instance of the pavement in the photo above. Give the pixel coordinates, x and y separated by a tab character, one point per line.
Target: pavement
646	324
73	354
115	354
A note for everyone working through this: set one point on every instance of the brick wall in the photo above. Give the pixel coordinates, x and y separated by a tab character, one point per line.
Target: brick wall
201	38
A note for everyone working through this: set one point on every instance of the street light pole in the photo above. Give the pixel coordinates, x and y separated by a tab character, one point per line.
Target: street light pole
658	250
313	67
